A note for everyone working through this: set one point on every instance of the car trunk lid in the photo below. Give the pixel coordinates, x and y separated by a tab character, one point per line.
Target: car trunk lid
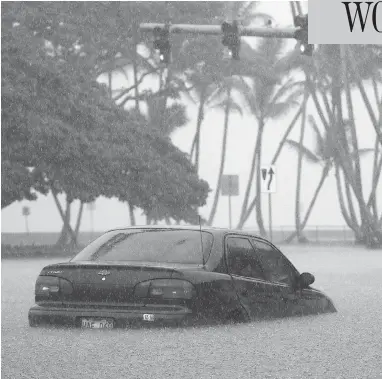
110	283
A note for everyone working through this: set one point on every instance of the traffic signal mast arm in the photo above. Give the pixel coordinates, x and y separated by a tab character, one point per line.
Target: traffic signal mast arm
231	33
269	32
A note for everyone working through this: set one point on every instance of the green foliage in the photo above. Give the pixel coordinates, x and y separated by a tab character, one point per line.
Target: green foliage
61	132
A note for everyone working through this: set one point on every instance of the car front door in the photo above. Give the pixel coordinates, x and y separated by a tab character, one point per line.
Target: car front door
283	276
254	291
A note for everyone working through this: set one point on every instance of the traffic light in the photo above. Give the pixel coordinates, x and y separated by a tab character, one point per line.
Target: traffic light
231	38
162	43
301	34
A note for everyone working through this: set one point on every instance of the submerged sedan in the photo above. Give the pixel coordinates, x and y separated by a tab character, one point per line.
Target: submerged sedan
174	274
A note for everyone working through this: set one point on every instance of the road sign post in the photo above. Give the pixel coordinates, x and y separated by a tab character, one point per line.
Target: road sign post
230	187
268	185
26	213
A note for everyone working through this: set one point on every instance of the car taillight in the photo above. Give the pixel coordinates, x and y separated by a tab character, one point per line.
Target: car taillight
165	289
46	285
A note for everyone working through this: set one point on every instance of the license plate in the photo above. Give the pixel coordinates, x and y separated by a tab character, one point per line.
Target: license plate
148	317
90	323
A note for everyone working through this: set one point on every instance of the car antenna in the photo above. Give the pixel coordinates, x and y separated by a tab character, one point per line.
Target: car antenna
201	241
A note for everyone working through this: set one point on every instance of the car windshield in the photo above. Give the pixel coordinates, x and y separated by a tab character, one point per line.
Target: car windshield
168	246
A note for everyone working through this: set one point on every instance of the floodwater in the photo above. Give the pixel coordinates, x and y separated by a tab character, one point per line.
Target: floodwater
345	345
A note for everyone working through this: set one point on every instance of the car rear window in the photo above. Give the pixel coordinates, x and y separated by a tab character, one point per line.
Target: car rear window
168	246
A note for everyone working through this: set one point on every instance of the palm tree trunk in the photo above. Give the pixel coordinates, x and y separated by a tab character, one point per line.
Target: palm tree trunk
259	214
198	128
252	170
110	80
377	169
348	174
370	228
377	166
349	199
278	151
341	201
222	158
324	175
300	237
349	101
135	70
193	147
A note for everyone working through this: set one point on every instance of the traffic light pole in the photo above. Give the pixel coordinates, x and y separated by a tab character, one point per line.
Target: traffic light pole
268	32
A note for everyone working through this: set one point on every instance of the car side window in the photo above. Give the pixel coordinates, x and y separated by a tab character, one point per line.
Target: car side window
275	265
241	258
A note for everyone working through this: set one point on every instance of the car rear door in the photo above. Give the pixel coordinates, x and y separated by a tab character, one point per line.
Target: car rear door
254	291
281	274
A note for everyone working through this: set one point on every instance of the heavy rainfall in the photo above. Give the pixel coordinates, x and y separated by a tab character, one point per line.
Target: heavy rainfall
166	117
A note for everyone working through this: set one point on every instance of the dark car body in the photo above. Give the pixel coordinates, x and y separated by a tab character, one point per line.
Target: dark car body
209	283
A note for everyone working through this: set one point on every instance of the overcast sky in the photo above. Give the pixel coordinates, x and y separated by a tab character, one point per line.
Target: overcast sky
242	134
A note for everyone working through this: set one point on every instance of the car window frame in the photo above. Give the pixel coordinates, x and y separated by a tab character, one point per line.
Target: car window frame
294	270
205	256
226	252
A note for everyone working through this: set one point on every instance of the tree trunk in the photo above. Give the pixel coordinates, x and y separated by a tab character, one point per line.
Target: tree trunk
374	120
373	231
222	158
324	175
64	239
349	221
300	237
135	70
79	218
67	229
110	80
377	166
193	147
281	145
252	171
198	128
370	229
131	213
259	214
377	169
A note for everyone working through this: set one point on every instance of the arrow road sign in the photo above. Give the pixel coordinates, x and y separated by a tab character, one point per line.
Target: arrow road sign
268	179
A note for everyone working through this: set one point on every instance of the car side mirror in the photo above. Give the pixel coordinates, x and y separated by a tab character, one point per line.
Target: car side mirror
306	279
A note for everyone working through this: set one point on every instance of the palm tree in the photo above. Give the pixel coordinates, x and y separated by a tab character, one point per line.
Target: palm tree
333	71
267	98
205	87
229	105
324	154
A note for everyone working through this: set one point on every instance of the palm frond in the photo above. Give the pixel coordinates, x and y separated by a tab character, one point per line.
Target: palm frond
275	111
307	154
286	88
233	106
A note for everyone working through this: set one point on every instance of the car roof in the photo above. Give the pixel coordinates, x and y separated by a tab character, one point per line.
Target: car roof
211	229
